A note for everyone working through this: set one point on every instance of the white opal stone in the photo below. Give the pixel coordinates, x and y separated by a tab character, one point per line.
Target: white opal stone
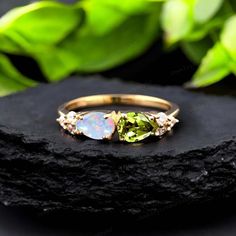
95	126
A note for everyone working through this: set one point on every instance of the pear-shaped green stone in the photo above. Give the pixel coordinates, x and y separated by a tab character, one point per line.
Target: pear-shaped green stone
135	127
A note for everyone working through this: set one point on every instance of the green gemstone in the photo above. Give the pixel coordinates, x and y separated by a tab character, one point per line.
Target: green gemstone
135	127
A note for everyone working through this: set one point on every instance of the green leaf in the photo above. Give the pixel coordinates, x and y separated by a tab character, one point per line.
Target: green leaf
214	67
200	31
196	50
111	34
102	16
204	10
56	63
127	6
36	29
228	36
10	79
44	22
7	45
232	4
86	51
212	27
101	52
177	19
192	20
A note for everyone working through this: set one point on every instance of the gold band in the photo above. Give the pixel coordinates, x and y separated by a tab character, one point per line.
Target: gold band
130	126
119	99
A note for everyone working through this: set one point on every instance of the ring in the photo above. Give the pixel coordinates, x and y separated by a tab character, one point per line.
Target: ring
131	126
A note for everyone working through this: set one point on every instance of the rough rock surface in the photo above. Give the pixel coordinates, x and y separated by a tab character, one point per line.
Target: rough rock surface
43	168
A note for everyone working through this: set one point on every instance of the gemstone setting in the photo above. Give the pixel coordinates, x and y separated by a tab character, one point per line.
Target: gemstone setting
165	123
96	125
135	126
131	126
68	121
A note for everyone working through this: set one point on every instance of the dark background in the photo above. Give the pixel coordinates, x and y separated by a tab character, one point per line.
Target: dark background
216	218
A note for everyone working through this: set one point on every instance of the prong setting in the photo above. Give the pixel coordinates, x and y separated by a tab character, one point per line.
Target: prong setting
165	123
158	123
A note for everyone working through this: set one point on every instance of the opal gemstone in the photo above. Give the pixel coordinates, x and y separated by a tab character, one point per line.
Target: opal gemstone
94	125
135	127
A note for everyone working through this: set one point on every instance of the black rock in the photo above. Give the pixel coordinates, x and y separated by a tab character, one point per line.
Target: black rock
45	169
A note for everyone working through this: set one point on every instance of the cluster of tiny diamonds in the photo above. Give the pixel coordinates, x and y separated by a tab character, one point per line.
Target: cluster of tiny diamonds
68	121
165	123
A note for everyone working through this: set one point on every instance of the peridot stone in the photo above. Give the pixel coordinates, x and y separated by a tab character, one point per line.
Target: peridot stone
135	127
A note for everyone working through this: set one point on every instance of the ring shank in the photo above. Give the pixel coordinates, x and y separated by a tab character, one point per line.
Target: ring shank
119	99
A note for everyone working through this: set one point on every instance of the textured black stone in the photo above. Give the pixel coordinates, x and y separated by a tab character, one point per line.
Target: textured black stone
43	168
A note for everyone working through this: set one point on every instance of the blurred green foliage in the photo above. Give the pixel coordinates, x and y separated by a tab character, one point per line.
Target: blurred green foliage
96	35
206	31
